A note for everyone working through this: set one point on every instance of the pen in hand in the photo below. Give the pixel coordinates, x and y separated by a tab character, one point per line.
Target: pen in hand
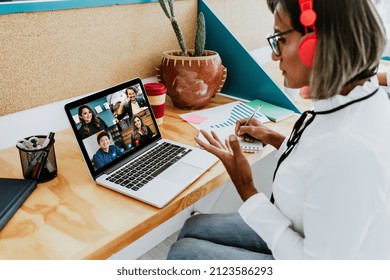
254	113
245	136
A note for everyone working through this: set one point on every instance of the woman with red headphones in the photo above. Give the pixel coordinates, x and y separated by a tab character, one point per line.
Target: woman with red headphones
331	188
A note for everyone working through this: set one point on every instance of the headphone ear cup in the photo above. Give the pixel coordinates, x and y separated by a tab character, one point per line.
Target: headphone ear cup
307	48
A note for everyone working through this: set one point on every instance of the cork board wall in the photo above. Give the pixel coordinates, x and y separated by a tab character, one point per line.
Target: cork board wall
51	56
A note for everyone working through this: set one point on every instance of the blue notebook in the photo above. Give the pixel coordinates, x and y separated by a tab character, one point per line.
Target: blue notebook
13	193
273	112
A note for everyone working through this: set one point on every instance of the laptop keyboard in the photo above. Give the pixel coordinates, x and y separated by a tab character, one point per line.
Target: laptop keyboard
144	169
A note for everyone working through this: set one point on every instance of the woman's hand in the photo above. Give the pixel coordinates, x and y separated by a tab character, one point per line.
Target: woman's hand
233	159
255	129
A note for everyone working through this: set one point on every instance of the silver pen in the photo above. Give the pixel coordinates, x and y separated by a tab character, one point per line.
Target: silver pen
254	113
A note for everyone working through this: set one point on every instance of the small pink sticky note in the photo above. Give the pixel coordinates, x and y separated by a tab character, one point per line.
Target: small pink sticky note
195	119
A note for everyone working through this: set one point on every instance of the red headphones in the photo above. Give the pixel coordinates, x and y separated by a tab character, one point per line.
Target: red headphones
307	46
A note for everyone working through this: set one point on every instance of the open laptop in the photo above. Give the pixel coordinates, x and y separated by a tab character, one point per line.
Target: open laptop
122	159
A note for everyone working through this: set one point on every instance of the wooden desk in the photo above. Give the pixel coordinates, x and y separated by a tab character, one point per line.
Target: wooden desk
71	217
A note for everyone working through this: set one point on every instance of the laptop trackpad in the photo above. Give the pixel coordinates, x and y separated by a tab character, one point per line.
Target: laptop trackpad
181	173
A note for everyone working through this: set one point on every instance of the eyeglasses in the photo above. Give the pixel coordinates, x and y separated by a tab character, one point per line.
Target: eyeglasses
273	40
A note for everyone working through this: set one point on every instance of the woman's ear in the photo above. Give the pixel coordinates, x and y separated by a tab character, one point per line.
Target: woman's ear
304	92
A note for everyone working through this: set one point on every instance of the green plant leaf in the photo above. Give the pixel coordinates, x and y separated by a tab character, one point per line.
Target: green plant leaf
200	37
164	7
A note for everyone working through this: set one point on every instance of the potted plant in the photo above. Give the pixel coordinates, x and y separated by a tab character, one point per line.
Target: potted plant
192	76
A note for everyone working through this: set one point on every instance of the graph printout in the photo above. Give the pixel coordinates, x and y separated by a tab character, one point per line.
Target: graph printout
223	116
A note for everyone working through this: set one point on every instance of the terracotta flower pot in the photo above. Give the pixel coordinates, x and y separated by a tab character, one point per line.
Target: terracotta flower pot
191	80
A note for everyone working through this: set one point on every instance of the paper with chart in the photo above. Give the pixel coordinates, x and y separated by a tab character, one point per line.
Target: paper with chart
222	116
222	120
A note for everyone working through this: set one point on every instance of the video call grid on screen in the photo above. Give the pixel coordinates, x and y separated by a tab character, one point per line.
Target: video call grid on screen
118	128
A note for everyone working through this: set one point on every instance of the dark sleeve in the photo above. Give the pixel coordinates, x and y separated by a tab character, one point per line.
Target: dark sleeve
117	150
121	116
82	133
97	160
132	141
127	109
103	125
141	101
150	133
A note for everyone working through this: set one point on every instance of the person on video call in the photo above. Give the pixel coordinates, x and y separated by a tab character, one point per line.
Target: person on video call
132	104
331	188
90	122
106	152
141	133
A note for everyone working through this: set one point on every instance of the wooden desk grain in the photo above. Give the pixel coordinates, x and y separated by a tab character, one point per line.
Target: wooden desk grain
71	217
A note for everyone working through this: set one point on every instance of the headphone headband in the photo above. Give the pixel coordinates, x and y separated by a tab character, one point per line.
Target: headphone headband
308	43
308	15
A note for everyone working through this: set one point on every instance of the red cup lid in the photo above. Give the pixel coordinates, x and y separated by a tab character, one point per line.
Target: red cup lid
155	88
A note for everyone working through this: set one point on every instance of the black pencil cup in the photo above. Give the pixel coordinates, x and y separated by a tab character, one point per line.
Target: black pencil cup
37	158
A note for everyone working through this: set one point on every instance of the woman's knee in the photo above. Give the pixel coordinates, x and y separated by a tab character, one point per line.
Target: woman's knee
193	224
206	224
183	249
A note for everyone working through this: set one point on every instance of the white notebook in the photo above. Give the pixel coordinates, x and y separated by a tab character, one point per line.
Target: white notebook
224	132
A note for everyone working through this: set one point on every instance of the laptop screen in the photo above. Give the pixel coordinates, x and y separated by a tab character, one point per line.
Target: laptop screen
112	124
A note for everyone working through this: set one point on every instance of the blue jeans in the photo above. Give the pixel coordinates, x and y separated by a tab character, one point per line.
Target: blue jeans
218	237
